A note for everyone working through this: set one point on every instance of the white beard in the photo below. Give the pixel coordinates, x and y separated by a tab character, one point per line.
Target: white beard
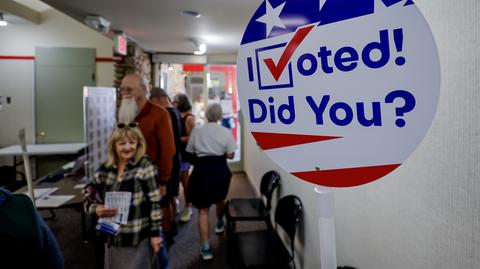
128	110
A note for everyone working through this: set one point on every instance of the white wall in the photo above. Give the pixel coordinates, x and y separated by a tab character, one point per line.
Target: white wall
426	214
17	76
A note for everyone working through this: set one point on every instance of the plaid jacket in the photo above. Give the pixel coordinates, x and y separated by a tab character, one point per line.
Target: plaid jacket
145	215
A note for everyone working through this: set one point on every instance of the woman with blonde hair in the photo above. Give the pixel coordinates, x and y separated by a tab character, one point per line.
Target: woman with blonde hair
132	241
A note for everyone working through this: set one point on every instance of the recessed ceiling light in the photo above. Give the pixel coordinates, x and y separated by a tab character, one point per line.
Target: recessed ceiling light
191	13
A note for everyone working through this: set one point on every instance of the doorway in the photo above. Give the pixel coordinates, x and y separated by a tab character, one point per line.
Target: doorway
60	75
206	84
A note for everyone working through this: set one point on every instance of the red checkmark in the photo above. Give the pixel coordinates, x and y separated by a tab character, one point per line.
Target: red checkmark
299	36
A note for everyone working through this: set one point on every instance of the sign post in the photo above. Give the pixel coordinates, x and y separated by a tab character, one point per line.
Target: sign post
326	227
26	162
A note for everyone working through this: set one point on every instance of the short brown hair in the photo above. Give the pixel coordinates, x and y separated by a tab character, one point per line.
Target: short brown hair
158	92
183	102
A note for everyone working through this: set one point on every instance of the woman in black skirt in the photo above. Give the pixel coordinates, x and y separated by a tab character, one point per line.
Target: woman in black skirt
212	144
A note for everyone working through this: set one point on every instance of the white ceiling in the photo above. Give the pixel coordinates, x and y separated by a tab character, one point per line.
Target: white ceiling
158	26
36	5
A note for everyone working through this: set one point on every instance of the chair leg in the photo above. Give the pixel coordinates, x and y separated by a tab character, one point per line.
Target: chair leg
269	222
232	253
230	242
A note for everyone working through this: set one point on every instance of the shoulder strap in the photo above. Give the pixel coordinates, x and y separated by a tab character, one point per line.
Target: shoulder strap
184	118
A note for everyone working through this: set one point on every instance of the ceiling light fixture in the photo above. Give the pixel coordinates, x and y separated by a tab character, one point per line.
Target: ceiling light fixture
2	21
201	48
98	23
191	13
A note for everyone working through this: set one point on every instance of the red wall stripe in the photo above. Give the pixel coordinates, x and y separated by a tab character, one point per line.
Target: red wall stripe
104	59
7	57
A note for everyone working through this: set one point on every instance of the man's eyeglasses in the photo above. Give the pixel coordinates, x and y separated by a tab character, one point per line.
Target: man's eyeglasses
126	89
130	125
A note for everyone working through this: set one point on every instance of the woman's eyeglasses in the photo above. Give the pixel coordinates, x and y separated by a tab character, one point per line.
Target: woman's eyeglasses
130	125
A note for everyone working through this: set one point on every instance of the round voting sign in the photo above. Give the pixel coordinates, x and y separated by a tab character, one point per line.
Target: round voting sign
338	93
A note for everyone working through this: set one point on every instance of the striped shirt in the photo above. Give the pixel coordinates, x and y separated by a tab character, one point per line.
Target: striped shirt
145	215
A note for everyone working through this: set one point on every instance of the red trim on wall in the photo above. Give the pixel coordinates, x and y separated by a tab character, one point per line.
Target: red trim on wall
104	59
222	68
6	57
193	67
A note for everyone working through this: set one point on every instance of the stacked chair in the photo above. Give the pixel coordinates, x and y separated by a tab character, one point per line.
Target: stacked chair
253	209
263	248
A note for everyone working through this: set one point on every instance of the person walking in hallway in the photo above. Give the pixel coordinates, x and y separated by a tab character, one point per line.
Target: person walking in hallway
153	121
159	97
134	237
184	105
212	144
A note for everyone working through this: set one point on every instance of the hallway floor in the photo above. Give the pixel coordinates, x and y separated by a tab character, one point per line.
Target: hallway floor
184	254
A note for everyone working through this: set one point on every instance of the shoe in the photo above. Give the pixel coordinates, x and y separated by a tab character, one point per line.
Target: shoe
220	226
206	253
186	215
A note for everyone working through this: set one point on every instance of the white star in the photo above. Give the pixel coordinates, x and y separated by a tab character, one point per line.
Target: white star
272	17
380	6
321	3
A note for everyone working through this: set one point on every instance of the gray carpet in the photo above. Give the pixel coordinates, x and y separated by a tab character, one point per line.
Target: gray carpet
184	254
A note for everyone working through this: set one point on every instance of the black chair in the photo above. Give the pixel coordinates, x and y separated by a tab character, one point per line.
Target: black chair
253	209
8	178
264	248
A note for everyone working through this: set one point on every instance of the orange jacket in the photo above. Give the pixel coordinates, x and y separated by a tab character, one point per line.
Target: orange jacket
155	124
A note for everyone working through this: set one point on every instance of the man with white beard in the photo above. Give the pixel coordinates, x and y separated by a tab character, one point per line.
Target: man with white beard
153	121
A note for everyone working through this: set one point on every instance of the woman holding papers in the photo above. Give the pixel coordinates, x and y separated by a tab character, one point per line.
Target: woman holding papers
127	201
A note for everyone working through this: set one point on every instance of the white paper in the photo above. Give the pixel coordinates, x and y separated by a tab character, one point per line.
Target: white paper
53	200
226	108
79	186
41	192
68	165
121	201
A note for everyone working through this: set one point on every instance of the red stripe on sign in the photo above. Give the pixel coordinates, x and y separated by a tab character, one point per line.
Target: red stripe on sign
5	57
275	140
346	177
